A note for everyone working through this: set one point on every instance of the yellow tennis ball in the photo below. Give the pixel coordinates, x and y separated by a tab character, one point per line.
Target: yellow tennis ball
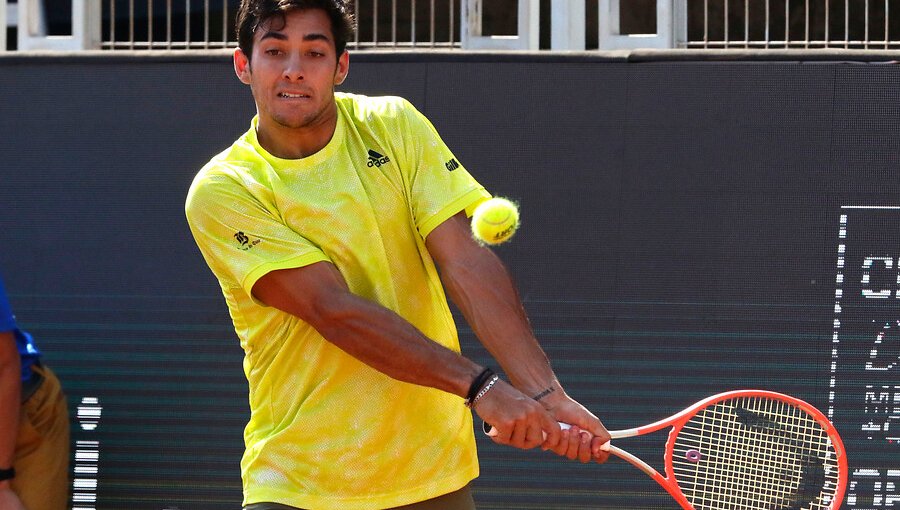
495	220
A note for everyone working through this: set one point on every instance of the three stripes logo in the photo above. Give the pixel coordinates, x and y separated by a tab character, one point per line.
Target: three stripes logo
451	165
376	159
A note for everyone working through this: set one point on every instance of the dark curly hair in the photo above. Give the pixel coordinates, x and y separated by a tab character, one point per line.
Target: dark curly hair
254	13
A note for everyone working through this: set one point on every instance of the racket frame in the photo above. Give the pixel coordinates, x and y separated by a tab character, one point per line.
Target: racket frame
677	421
669	482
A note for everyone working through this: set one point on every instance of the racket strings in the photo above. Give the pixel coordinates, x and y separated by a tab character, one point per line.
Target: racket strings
755	453
776	483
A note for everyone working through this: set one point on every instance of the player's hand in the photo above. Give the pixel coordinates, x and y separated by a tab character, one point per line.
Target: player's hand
519	421
585	439
8	499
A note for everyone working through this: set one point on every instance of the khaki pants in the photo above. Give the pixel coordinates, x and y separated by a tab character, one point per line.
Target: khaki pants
459	500
42	447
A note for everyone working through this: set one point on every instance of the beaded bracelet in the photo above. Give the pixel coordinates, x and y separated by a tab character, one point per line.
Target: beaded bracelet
477	384
484	390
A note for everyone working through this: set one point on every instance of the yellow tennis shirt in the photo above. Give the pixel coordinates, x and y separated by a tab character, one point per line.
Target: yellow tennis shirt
327	431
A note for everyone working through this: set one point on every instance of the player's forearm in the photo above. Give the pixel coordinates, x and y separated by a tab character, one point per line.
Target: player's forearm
484	291
10	392
385	341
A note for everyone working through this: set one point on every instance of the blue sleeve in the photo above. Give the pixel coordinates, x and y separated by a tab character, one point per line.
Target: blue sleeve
7	321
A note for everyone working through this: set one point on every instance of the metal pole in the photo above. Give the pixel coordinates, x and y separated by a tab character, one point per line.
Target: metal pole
3	25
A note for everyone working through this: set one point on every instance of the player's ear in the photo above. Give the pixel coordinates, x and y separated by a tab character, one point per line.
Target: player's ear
242	66
343	68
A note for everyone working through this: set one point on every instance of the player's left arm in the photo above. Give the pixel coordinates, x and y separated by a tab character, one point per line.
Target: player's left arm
481	287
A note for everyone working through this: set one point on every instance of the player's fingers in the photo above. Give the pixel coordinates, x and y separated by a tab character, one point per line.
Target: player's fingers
574	441
584	448
562	445
517	435
527	434
599	444
499	435
602	435
548	444
601	457
552	442
534	435
598	452
551	433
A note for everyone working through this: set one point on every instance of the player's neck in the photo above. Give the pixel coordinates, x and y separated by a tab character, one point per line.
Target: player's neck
296	143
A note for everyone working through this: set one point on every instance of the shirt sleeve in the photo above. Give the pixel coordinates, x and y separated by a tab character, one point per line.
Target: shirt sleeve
240	232
440	186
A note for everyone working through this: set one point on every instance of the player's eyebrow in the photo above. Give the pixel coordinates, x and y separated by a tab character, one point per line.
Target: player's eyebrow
316	37
272	34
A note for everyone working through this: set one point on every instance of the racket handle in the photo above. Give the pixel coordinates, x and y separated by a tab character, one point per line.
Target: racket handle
491	431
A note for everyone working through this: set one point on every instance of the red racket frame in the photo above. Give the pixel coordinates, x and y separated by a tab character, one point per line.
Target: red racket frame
677	422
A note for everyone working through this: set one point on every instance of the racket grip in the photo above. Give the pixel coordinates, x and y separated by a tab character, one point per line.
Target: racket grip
491	431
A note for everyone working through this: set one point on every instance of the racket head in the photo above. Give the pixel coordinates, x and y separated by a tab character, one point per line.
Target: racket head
756	449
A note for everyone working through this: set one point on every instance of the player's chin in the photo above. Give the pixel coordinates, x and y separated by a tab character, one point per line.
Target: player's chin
295	118
292	122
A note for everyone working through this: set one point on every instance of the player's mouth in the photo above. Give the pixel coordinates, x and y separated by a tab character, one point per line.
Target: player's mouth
293	95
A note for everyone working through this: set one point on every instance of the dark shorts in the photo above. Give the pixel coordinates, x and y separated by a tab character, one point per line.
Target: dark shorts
459	500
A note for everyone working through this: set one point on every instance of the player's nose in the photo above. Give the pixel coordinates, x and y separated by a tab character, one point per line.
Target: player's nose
294	69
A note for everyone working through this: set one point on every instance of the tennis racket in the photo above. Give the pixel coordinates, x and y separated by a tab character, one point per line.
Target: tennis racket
746	449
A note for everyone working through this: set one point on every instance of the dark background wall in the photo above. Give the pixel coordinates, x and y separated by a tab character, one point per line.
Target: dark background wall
688	228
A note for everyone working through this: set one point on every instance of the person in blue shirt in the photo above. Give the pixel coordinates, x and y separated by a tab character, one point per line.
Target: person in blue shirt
34	423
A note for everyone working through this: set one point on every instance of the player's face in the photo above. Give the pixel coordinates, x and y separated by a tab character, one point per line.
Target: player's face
293	70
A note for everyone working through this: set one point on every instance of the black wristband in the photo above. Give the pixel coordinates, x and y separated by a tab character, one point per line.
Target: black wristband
7	474
478	383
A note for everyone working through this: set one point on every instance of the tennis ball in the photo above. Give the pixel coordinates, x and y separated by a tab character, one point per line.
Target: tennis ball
495	220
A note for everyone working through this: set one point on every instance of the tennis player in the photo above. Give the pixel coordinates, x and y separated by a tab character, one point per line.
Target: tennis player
34	424
335	225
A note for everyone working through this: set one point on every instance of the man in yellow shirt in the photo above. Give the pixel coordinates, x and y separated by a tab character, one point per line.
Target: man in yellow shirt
335	225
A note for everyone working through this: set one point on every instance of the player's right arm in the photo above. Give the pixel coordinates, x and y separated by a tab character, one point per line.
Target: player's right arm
377	336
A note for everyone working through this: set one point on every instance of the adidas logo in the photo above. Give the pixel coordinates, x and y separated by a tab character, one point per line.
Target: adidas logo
376	159
451	165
